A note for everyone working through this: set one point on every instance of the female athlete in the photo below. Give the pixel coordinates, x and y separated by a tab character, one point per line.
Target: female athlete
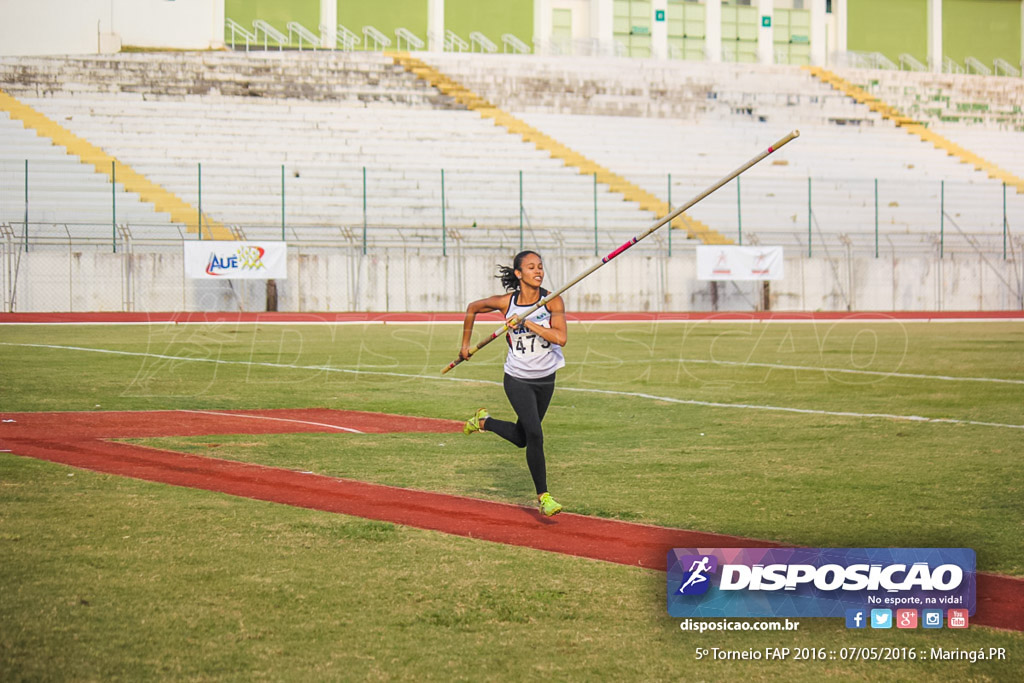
534	355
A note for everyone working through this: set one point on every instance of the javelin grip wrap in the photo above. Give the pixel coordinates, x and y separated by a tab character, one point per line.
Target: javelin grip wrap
618	251
657	224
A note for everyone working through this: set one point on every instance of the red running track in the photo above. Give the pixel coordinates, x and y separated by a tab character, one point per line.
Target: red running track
80	440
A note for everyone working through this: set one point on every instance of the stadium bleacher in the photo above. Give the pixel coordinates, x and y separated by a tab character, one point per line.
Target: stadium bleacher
306	124
993	102
65	198
402	138
648	119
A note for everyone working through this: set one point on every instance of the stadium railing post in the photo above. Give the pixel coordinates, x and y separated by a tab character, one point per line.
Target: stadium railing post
942	218
364	211
113	205
1005	225
26	205
444	221
200	180
520	210
670	211
808	217
876	217
282	202
739	212
595	215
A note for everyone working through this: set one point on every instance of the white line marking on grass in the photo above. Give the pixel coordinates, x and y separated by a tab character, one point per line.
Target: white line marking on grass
784	409
278	419
606	392
778	366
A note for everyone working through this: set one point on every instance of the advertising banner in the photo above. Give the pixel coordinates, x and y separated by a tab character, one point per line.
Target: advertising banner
819	582
205	260
726	262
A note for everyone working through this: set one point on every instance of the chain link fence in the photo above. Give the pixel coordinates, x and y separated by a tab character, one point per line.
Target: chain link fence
55	216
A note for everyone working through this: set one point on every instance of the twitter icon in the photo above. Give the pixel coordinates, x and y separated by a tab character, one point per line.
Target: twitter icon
881	618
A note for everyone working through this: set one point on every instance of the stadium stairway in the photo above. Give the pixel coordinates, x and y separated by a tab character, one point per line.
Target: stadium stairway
163	200
631	192
917	128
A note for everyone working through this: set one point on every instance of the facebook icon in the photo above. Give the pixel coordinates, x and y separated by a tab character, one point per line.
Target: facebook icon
856	618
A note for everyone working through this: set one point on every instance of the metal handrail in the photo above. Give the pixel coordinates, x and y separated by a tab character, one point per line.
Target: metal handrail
1004	66
238	29
485	43
412	41
977	66
328	36
303	33
380	41
577	240
518	47
912	62
269	32
453	41
346	38
591	47
951	67
882	62
870	60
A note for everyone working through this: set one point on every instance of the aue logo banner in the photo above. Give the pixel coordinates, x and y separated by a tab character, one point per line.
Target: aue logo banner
817	582
207	259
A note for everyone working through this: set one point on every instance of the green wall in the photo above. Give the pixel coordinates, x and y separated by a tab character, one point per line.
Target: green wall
980	28
891	27
491	18
985	29
277	13
385	16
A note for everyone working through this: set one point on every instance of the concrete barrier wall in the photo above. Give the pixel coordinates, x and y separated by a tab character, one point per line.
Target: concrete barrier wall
346	280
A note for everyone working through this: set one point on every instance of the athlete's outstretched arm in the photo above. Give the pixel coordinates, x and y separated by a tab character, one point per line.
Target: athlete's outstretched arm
499	302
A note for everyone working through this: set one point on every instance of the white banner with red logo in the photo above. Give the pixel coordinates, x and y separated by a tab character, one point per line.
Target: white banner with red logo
205	260
716	262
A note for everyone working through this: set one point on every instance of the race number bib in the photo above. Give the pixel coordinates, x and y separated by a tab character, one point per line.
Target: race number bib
528	344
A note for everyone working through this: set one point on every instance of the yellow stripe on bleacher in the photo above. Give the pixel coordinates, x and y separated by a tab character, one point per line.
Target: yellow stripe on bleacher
630	191
165	201
916	128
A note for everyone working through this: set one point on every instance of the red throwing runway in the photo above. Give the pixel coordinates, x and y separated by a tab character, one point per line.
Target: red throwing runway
81	440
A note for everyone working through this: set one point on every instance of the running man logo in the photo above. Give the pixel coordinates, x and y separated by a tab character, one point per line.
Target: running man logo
722	265
695	581
762	266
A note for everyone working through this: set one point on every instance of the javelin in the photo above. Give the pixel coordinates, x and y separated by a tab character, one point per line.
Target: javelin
657	224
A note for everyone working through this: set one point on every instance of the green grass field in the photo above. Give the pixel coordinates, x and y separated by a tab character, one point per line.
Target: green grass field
796	433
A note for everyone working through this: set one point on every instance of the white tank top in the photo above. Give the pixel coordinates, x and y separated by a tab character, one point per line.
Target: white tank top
529	355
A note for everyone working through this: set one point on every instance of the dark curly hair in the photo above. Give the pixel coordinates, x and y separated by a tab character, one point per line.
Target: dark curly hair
507	274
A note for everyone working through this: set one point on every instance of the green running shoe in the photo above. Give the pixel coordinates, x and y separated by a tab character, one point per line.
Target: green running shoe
473	423
549	506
